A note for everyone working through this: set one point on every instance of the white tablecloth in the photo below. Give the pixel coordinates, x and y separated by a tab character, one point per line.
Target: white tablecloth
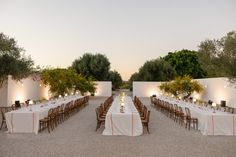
127	123
26	121
209	123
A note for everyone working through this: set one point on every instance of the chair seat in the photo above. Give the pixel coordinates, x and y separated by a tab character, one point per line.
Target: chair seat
101	119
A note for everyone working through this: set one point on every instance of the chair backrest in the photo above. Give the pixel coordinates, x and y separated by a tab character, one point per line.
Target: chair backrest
97	113
180	110
5	110
230	110
54	111
58	109
62	107
176	107
2	113
188	114
50	112
144	112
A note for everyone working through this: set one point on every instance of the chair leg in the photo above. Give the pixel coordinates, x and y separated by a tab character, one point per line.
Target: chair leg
48	125
148	129
1	125
40	125
51	124
98	125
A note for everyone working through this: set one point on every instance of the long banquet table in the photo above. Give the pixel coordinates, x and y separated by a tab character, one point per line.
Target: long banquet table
127	123
25	120
209	123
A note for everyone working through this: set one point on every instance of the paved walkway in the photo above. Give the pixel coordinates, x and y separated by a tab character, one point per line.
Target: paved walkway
76	138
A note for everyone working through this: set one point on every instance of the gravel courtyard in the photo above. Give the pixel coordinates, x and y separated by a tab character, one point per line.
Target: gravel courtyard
76	137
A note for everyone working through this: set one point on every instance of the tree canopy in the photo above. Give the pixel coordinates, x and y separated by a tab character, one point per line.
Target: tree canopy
154	70
218	56
97	66
12	61
181	87
62	81
185	62
89	65
115	78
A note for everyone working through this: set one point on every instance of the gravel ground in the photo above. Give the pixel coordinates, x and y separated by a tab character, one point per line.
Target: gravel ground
76	137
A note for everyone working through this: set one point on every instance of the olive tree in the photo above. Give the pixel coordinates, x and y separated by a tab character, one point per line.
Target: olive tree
89	65
218	56
115	78
62	81
12	60
181	87
155	70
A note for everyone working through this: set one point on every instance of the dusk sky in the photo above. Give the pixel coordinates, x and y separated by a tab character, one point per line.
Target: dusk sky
128	32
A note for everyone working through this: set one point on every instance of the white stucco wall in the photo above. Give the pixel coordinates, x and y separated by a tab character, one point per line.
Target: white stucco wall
104	88
145	89
26	89
22	90
35	90
215	89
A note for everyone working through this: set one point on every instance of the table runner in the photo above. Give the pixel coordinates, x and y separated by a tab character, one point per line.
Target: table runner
127	123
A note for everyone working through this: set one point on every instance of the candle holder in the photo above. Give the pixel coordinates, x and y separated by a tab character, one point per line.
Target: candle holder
30	105
122	107
214	105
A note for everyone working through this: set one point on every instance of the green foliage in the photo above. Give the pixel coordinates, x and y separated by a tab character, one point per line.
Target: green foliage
218	56
89	65
133	77
229	55
182	87
125	85
116	79
62	81
12	61
154	70
185	62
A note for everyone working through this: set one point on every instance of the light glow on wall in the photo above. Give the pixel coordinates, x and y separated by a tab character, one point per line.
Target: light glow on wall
19	97
97	92
196	96
152	92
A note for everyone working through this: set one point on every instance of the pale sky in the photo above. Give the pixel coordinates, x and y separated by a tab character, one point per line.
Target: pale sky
128	32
